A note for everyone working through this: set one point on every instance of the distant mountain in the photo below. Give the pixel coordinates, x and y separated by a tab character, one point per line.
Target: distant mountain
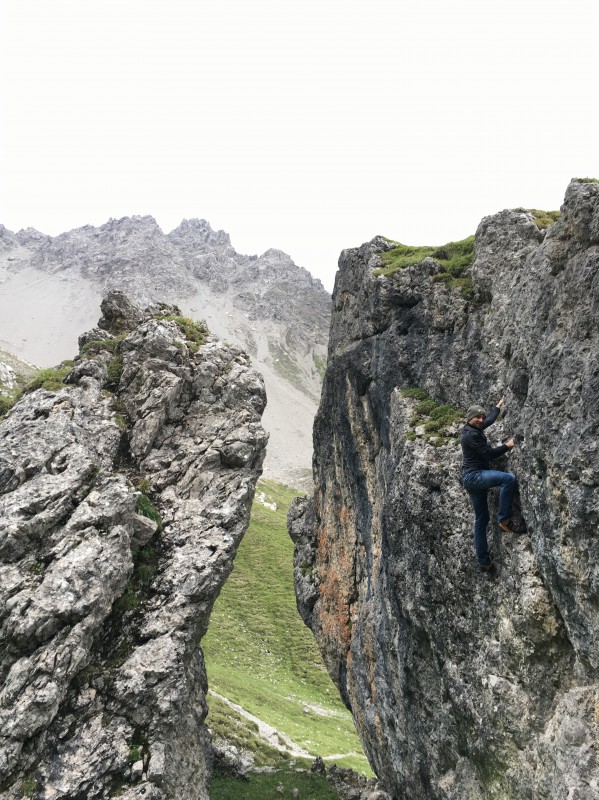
51	288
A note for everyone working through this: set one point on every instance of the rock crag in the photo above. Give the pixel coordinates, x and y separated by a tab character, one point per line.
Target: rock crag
463	688
51	287
123	496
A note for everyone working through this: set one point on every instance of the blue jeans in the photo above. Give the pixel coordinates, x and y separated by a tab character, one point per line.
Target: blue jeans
477	484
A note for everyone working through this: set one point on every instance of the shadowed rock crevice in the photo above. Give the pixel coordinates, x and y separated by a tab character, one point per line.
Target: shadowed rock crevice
460	687
127	493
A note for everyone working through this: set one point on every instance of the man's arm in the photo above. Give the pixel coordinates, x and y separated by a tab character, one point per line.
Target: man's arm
492	415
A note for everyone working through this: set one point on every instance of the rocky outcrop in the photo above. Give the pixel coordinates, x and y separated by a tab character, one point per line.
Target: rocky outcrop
462	687
266	304
123	496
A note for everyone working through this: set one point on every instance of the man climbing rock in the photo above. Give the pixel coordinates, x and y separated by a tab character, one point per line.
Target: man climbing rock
478	478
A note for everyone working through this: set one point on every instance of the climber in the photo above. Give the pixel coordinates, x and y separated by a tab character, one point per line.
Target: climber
478	478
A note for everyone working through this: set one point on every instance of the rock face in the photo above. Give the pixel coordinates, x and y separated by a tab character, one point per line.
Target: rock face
123	497
462	687
51	287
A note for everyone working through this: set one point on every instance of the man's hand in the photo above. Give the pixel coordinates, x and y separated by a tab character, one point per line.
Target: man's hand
510	443
501	403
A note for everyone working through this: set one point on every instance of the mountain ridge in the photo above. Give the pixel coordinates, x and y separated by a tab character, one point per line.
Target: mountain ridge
51	288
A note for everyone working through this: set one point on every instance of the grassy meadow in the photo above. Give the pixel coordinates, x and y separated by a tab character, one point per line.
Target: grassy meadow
260	655
267	786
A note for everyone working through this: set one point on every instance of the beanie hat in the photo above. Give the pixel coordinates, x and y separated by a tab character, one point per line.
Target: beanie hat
475	411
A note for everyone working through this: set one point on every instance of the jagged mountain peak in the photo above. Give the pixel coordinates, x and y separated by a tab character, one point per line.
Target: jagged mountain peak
267	304
8	240
32	237
133	221
199	231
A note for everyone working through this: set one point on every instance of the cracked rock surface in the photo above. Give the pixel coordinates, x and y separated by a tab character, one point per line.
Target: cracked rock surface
123	497
462	687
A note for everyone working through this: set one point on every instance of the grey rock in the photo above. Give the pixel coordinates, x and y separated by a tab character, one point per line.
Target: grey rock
8	377
94	335
142	530
350	785
266	304
101	608
462	688
318	766
228	759
87	368
119	314
137	770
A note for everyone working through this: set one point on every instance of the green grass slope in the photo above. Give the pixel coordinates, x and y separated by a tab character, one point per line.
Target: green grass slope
260	655
268	787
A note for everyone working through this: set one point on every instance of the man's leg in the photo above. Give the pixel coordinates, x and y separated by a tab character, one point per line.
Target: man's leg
481	520
507	483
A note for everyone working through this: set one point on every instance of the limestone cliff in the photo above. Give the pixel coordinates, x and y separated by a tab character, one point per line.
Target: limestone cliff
124	493
463	688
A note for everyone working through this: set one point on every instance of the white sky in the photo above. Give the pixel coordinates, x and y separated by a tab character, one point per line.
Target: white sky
302	125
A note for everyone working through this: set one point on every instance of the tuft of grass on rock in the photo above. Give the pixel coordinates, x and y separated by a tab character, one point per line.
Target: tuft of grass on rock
29	787
454	259
7	401
415	392
145	508
97	345
128	601
145	560
196	333
50	379
115	370
135	752
587	180
544	219
435	417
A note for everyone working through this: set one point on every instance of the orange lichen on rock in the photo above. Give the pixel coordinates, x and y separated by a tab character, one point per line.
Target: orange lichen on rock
335	565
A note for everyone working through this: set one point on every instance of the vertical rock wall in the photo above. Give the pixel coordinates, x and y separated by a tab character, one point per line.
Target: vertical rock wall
102	605
459	687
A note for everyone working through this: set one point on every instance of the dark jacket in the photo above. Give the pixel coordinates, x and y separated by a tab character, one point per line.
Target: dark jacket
476	452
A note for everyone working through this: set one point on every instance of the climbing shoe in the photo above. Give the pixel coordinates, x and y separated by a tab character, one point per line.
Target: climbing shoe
489	571
509	526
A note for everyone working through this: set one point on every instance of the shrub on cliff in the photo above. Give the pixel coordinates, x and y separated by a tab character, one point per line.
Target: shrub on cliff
435	418
454	259
50	379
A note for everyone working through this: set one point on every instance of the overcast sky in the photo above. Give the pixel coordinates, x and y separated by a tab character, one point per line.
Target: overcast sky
301	125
